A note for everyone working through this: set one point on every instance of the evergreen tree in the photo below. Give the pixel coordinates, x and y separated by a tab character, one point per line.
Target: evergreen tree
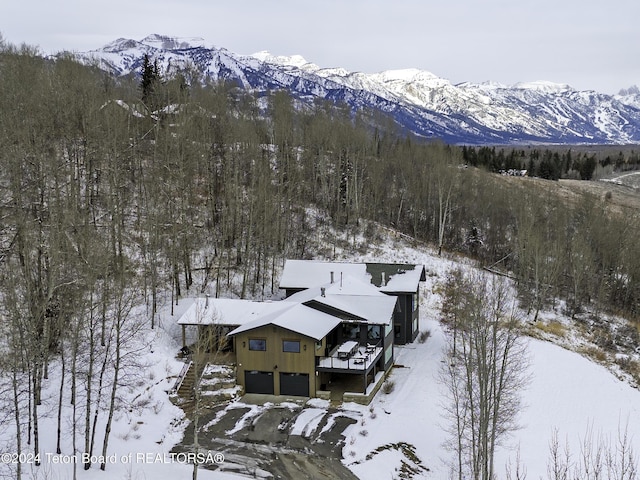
149	81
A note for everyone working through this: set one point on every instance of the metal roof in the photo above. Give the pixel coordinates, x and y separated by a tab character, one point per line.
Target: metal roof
388	277
297	318
227	311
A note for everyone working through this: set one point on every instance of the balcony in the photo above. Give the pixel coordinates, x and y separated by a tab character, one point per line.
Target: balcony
360	358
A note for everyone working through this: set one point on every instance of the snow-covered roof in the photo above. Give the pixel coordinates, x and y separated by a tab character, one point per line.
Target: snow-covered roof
227	311
403	280
309	273
351	296
345	285
351	292
389	277
295	317
375	310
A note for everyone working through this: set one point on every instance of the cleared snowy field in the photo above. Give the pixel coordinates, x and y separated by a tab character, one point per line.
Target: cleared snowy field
567	393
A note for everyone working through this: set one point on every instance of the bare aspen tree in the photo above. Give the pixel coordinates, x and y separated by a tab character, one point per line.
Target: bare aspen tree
517	471
14	363
540	254
91	346
105	343
600	457
446	176
485	376
207	347
124	355
559	461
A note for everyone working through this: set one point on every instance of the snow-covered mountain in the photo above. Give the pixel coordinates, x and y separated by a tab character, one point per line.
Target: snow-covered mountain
420	102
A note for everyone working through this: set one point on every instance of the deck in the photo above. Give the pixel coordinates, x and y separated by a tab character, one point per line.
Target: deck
361	359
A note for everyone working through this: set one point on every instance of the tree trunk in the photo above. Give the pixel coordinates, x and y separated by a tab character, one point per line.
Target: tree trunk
60	397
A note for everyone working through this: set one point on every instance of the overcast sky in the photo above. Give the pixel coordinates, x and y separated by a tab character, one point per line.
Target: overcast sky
589	44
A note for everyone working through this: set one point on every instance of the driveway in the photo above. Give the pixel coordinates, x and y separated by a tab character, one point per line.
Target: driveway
274	437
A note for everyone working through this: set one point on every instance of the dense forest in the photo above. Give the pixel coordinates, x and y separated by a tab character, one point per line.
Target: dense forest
113	190
551	164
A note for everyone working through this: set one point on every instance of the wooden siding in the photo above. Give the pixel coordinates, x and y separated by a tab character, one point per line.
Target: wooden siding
274	359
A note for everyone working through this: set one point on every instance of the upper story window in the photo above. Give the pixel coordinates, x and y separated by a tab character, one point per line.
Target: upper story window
350	331
374	332
259	344
291	346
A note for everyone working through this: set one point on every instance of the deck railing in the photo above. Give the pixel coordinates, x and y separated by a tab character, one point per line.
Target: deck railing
360	360
181	375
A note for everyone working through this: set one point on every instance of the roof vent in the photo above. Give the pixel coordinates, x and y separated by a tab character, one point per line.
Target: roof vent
206	302
384	280
331	277
322	290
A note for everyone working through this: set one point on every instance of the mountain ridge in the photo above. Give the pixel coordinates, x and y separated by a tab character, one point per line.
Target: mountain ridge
419	101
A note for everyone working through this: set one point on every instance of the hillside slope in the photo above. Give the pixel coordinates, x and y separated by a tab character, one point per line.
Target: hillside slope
568	393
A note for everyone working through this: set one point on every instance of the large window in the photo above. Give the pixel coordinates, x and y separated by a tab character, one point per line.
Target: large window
350	331
374	333
291	346
259	344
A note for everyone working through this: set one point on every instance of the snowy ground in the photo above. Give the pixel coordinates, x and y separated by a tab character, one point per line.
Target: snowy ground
567	393
142	435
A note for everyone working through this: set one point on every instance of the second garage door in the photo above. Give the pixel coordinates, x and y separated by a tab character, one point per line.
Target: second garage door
294	384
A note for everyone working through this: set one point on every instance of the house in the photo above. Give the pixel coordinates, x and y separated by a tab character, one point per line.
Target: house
340	331
399	280
316	338
335	332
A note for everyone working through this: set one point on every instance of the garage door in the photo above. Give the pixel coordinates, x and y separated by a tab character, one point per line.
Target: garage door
258	382
294	384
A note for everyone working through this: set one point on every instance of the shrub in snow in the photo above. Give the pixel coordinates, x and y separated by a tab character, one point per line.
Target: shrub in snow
157	407
424	336
388	386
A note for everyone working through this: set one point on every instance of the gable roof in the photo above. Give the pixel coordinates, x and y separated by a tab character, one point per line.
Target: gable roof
350	297
346	285
309	273
373	310
356	293
388	277
297	318
396	277
227	311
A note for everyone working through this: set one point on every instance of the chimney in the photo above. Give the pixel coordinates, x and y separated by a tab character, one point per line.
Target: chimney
322	290
331	277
